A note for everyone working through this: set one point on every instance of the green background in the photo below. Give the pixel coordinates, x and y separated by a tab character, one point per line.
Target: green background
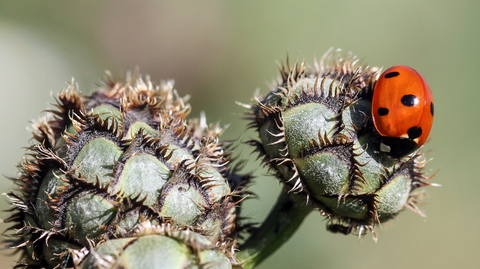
220	52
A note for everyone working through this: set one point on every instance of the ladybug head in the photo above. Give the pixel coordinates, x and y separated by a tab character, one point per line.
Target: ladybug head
397	147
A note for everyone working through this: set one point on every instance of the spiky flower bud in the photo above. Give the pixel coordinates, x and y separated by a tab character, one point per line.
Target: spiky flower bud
103	165
157	246
316	132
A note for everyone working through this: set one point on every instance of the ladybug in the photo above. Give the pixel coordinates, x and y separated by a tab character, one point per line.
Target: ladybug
402	110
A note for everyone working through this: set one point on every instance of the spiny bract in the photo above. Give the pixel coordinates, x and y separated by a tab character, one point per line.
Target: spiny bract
316	133
103	167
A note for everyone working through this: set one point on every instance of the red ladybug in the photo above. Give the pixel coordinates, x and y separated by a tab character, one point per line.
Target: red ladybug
402	109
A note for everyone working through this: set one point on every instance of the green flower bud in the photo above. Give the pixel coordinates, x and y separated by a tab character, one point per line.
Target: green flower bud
156	247
102	165
316	132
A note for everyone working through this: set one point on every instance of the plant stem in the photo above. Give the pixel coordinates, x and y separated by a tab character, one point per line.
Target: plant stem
283	220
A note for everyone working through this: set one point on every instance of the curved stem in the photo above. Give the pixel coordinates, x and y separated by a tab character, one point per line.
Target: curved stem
283	220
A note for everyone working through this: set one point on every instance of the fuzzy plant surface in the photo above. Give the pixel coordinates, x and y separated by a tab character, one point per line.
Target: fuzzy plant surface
121	179
316	134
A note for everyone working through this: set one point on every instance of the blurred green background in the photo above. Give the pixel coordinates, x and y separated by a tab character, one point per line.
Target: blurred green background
220	52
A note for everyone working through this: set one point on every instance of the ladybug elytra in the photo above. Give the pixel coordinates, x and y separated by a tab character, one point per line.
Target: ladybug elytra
402	110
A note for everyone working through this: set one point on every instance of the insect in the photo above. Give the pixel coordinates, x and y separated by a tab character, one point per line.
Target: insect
402	110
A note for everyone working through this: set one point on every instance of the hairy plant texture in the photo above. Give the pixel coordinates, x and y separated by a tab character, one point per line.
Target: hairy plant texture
157	246
316	133
121	178
105	166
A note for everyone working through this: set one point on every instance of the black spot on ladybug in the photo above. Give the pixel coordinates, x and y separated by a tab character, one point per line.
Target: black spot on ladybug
409	100
383	111
431	108
391	74
414	132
